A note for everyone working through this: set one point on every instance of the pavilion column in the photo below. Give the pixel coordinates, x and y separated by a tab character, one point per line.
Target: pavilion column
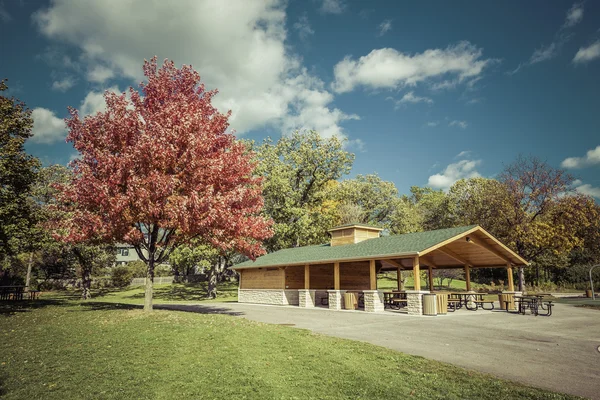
400	281
336	296
430	278
415	297
416	273
307	297
372	275
373	298
468	277
509	272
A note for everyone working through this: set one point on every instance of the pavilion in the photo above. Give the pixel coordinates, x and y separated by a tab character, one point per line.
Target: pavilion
304	275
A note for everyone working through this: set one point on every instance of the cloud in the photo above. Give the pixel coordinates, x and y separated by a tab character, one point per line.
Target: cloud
574	15
64	84
411	98
303	27
240	50
432	124
585	54
4	15
332	6
463	153
453	172
385	27
47	127
592	157
460	124
544	53
389	68
589	190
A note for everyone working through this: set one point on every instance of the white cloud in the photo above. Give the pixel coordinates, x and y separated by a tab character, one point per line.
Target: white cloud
460	124
385	27
454	172
463	153
64	84
303	27
411	98
99	74
574	15
589	190
592	157
389	68
47	127
94	101
333	6
585	54
240	50
432	124
544	53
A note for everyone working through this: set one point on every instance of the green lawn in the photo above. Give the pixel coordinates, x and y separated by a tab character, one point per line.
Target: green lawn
58	348
389	281
581	302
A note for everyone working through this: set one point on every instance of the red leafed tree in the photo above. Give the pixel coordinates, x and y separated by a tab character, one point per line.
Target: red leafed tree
159	169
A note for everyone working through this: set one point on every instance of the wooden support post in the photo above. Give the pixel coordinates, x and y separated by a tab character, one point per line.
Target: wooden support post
509	272
430	278
283	277
336	275
400	285
468	277
372	275
307	276
240	278
416	273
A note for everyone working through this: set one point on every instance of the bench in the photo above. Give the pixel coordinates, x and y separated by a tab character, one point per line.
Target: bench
397	304
481	303
454	304
34	294
548	308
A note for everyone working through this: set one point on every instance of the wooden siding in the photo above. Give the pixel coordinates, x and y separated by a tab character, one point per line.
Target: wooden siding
321	276
294	277
262	278
352	235
354	275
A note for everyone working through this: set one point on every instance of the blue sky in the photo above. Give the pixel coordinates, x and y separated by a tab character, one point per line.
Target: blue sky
425	92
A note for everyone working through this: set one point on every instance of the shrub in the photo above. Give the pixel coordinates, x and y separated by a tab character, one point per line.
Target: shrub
138	269
121	276
163	270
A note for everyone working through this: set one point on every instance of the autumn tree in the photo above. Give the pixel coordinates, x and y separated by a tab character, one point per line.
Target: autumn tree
18	172
297	171
159	169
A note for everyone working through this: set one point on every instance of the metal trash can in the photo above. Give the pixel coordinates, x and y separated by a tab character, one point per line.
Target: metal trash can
350	301
429	304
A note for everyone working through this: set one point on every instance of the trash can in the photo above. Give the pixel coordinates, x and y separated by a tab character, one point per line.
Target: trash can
429	306
502	302
588	293
350	302
507	301
442	303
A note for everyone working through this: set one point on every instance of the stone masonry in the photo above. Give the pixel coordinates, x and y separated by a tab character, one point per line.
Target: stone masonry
415	301
306	298
268	296
336	299
373	300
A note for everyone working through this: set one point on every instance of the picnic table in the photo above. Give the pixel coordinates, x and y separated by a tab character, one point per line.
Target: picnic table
395	299
17	292
533	303
471	300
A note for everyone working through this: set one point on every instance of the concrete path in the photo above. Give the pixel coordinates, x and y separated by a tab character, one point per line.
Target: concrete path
559	353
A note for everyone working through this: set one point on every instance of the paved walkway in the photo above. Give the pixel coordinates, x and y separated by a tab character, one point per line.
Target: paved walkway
559	353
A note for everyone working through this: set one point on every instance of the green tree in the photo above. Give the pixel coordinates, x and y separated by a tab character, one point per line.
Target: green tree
18	172
297	171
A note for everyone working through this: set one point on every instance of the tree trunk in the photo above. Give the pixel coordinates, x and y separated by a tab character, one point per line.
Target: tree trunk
29	265
212	282
149	284
521	279
401	281
86	282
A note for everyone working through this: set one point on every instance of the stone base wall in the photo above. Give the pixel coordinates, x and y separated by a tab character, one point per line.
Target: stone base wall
306	298
336	299
269	296
415	301
373	300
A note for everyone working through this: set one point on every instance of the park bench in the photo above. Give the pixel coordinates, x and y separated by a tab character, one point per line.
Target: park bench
454	304
482	303
396	303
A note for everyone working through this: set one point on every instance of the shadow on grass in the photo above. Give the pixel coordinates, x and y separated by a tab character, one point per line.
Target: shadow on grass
12	308
199	309
186	292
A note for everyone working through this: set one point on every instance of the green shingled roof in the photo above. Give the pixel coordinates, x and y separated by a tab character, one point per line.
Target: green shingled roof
409	243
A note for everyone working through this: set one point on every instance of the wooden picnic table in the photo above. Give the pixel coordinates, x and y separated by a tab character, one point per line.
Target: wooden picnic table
534	302
17	292
394	299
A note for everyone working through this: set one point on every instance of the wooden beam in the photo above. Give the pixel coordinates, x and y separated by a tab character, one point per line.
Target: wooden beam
372	275
468	277
307	276
336	275
487	247
430	278
509	272
393	263
399	278
452	254
428	261
445	242
416	273
283	277
499	243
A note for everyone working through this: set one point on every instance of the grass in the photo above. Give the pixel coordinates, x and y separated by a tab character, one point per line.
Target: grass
580	302
388	281
57	348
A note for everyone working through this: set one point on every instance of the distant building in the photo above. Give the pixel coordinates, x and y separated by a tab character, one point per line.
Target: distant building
125	254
